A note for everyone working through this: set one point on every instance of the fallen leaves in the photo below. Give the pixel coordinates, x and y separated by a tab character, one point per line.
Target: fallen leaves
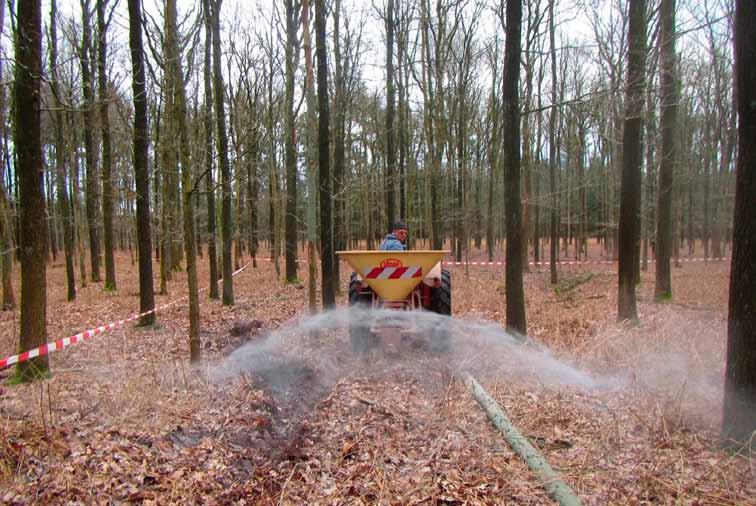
125	418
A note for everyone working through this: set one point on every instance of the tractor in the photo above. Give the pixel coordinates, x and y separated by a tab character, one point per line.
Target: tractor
397	280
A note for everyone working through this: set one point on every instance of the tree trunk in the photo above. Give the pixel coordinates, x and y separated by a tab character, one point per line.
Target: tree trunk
168	166
60	157
207	114
212	253
339	113
6	227
28	144
516	323
141	169
739	422
312	158
89	152
493	157
402	129
649	191
553	237
273	186
390	133
107	186
669	99
75	202
173	60
629	229
227	227
326	246
290	144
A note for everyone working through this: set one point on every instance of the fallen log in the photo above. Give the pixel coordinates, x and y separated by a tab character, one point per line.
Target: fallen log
555	487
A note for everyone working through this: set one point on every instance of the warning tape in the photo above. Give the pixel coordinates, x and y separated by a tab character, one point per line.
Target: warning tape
581	262
88	334
568	262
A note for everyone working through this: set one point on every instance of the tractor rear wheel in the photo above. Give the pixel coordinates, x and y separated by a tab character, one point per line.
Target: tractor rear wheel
441	303
359	327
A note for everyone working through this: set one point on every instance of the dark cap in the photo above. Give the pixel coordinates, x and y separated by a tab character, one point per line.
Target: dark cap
399	225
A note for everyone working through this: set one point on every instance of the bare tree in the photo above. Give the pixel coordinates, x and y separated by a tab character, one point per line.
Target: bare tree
554	111
390	103
516	323
107	158
493	144
669	100
629	226
290	151
92	187
141	169
312	157
6	229
173	67
326	198
227	226
61	156
28	143
212	253
739	422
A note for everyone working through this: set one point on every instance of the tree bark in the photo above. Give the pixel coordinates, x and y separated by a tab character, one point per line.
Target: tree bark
227	227
290	151
60	157
89	153
75	202
212	252
390	132
629	229
739	422
339	113
141	169
173	60
669	100
516	323
6	227
553	237
493	150
311	150
326	235
28	143
107	164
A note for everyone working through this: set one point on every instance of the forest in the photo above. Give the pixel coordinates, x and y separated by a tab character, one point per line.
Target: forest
177	178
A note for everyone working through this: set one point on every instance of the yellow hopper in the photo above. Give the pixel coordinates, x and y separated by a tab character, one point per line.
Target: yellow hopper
392	274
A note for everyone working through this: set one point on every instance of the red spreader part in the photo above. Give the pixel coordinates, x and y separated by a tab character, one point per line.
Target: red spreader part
87	334
395	272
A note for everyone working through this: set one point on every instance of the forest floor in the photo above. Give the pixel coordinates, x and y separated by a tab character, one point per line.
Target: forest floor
282	412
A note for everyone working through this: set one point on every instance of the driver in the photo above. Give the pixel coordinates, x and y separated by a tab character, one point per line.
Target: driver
396	240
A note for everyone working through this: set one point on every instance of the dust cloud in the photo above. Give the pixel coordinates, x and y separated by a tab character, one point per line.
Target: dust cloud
401	339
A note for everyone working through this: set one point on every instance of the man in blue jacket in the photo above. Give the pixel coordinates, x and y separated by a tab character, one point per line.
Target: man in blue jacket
395	241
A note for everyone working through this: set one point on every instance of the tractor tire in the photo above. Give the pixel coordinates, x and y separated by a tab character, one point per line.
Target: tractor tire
441	303
359	329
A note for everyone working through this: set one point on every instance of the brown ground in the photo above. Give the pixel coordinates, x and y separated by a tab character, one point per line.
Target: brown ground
125	419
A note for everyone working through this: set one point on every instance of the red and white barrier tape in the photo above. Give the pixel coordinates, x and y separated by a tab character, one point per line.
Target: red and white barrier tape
88	334
568	262
579	262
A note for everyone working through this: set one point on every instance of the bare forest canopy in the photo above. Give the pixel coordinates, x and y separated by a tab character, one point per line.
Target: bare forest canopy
447	62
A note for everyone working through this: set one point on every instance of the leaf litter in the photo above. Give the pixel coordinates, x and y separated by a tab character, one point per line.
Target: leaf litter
282	412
